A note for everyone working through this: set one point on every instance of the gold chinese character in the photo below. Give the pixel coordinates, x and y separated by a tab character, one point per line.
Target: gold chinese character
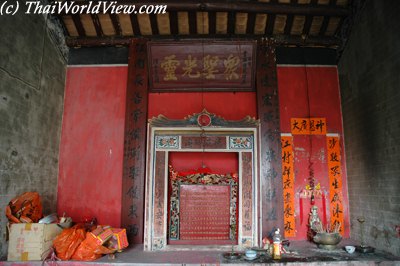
169	65
190	64
231	64
209	65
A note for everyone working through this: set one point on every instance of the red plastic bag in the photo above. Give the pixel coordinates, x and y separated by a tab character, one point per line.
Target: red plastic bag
90	249
66	243
25	208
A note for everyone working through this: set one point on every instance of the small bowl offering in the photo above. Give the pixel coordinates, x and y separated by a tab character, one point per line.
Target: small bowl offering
251	254
350	249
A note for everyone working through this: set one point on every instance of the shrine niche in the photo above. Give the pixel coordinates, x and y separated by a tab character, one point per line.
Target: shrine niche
201	208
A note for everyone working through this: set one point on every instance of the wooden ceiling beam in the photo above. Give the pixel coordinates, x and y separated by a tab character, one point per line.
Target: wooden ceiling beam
282	40
307	25
289	24
251	22
269	28
324	26
212	22
97	25
78	25
135	25
192	22
231	23
154	24
240	6
173	22
116	25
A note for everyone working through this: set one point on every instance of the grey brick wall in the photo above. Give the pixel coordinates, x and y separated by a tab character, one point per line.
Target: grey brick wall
32	78
369	71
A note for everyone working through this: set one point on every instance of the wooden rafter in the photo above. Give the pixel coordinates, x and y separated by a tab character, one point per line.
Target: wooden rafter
251	22
242	6
173	21
212	22
223	19
154	24
192	23
78	25
135	25
116	25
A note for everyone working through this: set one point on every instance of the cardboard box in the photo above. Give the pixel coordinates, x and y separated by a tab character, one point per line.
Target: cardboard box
119	240
31	241
102	235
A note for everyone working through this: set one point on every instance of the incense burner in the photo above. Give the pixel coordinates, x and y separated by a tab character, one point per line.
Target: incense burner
327	240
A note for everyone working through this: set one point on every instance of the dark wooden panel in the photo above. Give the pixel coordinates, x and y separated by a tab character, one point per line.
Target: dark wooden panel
283	40
201	65
270	140
159	188
135	142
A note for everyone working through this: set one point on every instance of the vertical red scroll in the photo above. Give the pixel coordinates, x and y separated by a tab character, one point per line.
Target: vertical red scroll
335	182
288	186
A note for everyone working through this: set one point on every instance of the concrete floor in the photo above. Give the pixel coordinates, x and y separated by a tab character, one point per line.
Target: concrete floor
300	253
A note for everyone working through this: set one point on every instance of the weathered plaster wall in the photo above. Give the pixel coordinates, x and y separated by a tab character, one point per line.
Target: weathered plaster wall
32	74
369	77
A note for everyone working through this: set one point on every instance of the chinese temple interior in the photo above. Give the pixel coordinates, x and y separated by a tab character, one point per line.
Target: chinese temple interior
204	129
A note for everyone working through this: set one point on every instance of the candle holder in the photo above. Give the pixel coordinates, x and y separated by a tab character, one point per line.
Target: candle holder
362	248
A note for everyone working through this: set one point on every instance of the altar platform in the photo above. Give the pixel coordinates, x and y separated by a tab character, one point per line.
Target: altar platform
300	253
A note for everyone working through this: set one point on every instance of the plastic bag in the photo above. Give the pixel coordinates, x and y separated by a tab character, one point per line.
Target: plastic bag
66	243
90	249
25	208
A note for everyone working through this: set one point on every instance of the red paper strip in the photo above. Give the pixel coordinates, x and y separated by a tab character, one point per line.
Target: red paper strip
288	186
335	181
308	126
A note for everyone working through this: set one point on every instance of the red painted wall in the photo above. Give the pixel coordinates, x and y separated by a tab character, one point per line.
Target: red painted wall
217	162
91	149
229	105
312	92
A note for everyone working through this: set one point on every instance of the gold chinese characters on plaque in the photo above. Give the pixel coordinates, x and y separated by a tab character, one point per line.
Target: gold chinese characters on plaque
201	66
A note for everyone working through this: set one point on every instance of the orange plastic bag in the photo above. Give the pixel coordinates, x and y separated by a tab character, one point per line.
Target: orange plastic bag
25	208
90	249
66	243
